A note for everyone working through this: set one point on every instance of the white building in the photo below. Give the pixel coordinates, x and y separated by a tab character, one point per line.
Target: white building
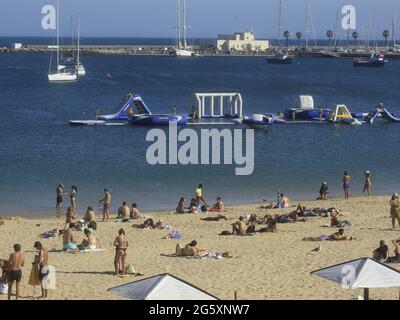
241	41
17	46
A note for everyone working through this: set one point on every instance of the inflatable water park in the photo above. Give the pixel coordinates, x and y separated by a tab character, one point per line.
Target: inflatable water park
227	109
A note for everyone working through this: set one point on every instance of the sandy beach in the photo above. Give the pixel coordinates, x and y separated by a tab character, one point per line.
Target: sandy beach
265	266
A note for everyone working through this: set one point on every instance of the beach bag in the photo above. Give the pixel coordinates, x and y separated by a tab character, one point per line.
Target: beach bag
93	225
130	269
3	287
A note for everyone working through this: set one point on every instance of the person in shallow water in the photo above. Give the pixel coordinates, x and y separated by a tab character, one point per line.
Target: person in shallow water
346	184
60	193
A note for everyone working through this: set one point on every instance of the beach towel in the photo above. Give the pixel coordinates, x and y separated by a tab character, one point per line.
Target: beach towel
49	234
174	235
3	287
91	250
34	279
49	281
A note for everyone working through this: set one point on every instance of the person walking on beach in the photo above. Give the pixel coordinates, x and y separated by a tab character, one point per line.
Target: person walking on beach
60	193
121	245
15	263
395	210
72	196
346	184
106	205
368	183
199	195
42	260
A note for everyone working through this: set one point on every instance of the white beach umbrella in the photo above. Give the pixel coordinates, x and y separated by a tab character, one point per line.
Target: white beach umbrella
361	273
161	287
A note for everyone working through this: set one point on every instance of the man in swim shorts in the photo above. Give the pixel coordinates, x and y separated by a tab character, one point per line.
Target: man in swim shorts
15	263
68	239
346	184
60	193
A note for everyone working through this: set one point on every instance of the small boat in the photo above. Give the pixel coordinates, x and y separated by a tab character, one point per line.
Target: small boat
279	58
306	110
156	120
61	74
374	61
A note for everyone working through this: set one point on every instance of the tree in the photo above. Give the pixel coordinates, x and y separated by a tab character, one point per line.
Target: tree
355	36
386	35
299	35
286	34
329	34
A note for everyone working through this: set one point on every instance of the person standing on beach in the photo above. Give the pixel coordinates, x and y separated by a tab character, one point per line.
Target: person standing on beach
368	183
106	205
121	245
15	263
346	184
323	191
199	195
42	260
72	196
60	193
395	210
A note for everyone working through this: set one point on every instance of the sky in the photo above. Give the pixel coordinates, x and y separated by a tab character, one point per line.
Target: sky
207	18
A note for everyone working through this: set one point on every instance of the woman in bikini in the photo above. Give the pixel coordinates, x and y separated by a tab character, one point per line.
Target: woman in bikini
121	246
42	259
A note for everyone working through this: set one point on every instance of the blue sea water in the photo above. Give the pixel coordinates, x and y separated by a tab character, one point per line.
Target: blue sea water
38	149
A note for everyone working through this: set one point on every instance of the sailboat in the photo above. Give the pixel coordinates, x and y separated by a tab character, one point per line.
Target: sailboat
182	49
280	57
61	74
79	68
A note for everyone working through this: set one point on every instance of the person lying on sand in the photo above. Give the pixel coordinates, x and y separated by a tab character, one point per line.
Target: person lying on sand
270	205
149	224
218	206
219	217
190	250
337	236
270	223
336	223
68	239
90	242
381	254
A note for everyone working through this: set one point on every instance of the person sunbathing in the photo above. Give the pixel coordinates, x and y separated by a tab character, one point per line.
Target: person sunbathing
239	227
90	242
218	206
190	250
180	209
70	215
336	223
337	236
123	212
219	217
149	224
270	205
90	216
68	239
381	254
135	212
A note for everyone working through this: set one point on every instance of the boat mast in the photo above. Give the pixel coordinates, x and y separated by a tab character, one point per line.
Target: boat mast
184	25
280	23
179	23
307	23
58	40
79	30
394	30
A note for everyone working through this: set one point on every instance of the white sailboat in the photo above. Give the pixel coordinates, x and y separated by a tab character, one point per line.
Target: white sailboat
79	68
61	73
182	49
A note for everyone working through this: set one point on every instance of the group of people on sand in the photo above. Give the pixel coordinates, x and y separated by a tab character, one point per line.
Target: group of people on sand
381	253
195	202
12	268
346	180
